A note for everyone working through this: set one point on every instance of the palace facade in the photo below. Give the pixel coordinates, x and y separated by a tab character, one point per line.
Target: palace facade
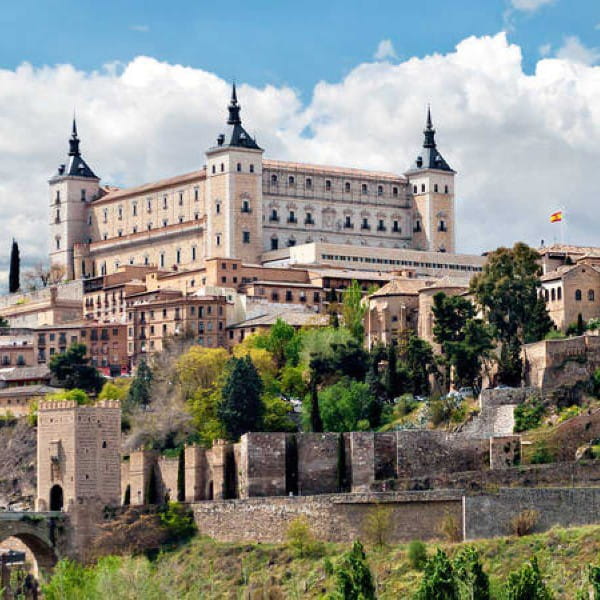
239	205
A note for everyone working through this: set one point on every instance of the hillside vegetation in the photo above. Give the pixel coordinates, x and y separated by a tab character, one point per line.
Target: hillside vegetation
204	569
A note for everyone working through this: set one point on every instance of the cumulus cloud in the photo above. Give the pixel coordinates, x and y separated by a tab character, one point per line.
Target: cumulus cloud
529	5
575	51
385	51
523	144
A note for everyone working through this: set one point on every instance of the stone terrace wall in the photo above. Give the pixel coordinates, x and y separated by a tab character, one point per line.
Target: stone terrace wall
490	515
335	517
425	452
262	465
317	463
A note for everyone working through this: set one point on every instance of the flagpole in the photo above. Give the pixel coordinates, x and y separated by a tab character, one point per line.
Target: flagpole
562	226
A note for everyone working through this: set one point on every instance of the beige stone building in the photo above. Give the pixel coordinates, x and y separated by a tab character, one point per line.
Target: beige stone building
239	205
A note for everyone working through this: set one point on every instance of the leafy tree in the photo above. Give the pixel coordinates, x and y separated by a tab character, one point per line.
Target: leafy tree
141	387
3	322
117	389
346	406
506	289
354	310
470	574
72	370
354	580
439	580
316	422
281	343
292	382
321	342
417	554
199	368
261	358
75	394
529	414
241	408
277	414
420	364
527	583
15	266
203	409
301	539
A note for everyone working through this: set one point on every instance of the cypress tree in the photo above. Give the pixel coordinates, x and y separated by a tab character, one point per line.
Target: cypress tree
316	422
15	265
391	374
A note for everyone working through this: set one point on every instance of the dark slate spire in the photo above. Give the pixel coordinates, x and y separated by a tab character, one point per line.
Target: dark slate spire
235	134
234	109
76	166
74	141
430	157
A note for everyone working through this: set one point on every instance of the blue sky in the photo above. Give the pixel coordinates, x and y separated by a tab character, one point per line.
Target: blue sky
282	43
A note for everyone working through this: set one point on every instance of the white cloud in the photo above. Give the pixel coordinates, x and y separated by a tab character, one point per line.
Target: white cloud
523	144
545	49
140	28
575	51
385	51
529	5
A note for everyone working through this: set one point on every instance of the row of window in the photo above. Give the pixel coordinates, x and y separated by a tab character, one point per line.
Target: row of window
399	262
308	184
82	196
202	312
239	168
202	327
95	335
436	189
556	294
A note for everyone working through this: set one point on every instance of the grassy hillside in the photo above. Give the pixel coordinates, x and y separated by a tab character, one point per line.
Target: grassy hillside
204	569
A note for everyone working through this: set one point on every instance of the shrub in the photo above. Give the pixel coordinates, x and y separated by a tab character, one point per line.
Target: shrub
353	576
524	523
569	413
406	404
527	584
542	454
417	554
554	334
439	580
470	574
301	540
377	524
178	521
529	414
450	529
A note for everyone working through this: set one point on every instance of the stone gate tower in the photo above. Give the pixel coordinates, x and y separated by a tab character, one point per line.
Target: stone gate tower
432	182
78	454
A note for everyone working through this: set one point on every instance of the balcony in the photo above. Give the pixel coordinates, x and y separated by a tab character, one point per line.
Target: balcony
365	226
273	219
381	228
293	220
348	225
309	221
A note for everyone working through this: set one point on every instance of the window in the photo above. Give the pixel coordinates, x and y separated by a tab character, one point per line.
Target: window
288	296
347	186
328	184
291	181
178	256
149	226
394	191
442	226
274	179
414	189
218	239
239	167
57	200
422	187
365	224
435	187
214	169
245	206
83	195
274	217
57	219
165	202
308	183
218	208
364	189
275	296
274	243
222	167
251	168
291	242
591	295
381	226
180	198
181	218
380	190
578	295
309	220
134	209
89	219
417	226
195	194
292	217
193	252
165	222
162	259
559	293
58	243
105	215
196	216
149	205
553	294
445	189
348	223
246	237
316	297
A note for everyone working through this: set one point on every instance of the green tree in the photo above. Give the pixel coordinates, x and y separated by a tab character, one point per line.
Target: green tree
354	580
470	574
278	414
14	270
72	370
3	323
392	382
141	387
77	395
282	342
292	382
420	364
241	408
354	310
346	406
316	422
117	389
439	580
527	583
506	289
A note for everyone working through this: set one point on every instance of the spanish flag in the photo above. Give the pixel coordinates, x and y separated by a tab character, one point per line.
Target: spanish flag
556	217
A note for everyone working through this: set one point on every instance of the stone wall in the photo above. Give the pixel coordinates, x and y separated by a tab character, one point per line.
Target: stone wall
262	465
334	517
317	463
490	515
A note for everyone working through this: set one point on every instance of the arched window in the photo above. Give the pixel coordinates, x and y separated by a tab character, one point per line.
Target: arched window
347	186
222	167
422	187
274	179
274	243
239	167
546	295
214	169
328	184
578	295
394	191
380	190
435	187
559	293
251	168
591	295
56	498
245	206
178	256
291	180
445	189
308	183
414	189
162	259
553	294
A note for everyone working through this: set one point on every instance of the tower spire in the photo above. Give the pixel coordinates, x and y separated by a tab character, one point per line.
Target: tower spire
234	108
74	141
429	131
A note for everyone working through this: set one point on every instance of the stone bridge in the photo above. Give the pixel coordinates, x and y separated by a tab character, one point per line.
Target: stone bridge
45	534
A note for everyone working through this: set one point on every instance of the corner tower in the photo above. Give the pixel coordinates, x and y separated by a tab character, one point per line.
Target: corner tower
72	188
234	192
431	180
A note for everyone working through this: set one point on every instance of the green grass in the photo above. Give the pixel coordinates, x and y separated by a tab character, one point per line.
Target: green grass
205	569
